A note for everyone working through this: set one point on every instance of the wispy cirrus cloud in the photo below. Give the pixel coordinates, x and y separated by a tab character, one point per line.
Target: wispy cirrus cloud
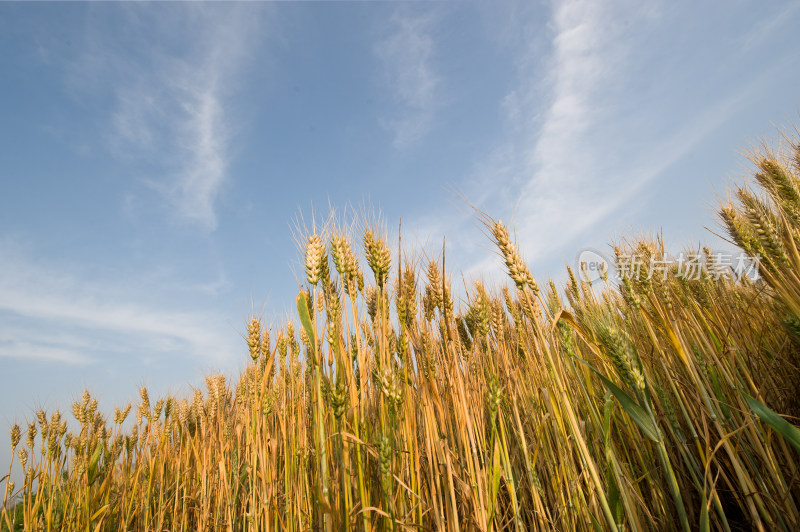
543	178
569	183
589	123
407	56
173	101
588	158
762	29
38	348
52	315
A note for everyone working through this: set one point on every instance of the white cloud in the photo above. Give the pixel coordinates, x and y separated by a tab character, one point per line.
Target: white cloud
562	194
543	179
767	26
586	162
51	315
172	102
574	155
34	349
407	55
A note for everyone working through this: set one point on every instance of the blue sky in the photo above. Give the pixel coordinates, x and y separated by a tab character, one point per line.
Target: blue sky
156	158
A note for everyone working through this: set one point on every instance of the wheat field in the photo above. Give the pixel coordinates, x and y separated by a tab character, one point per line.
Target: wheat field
650	403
